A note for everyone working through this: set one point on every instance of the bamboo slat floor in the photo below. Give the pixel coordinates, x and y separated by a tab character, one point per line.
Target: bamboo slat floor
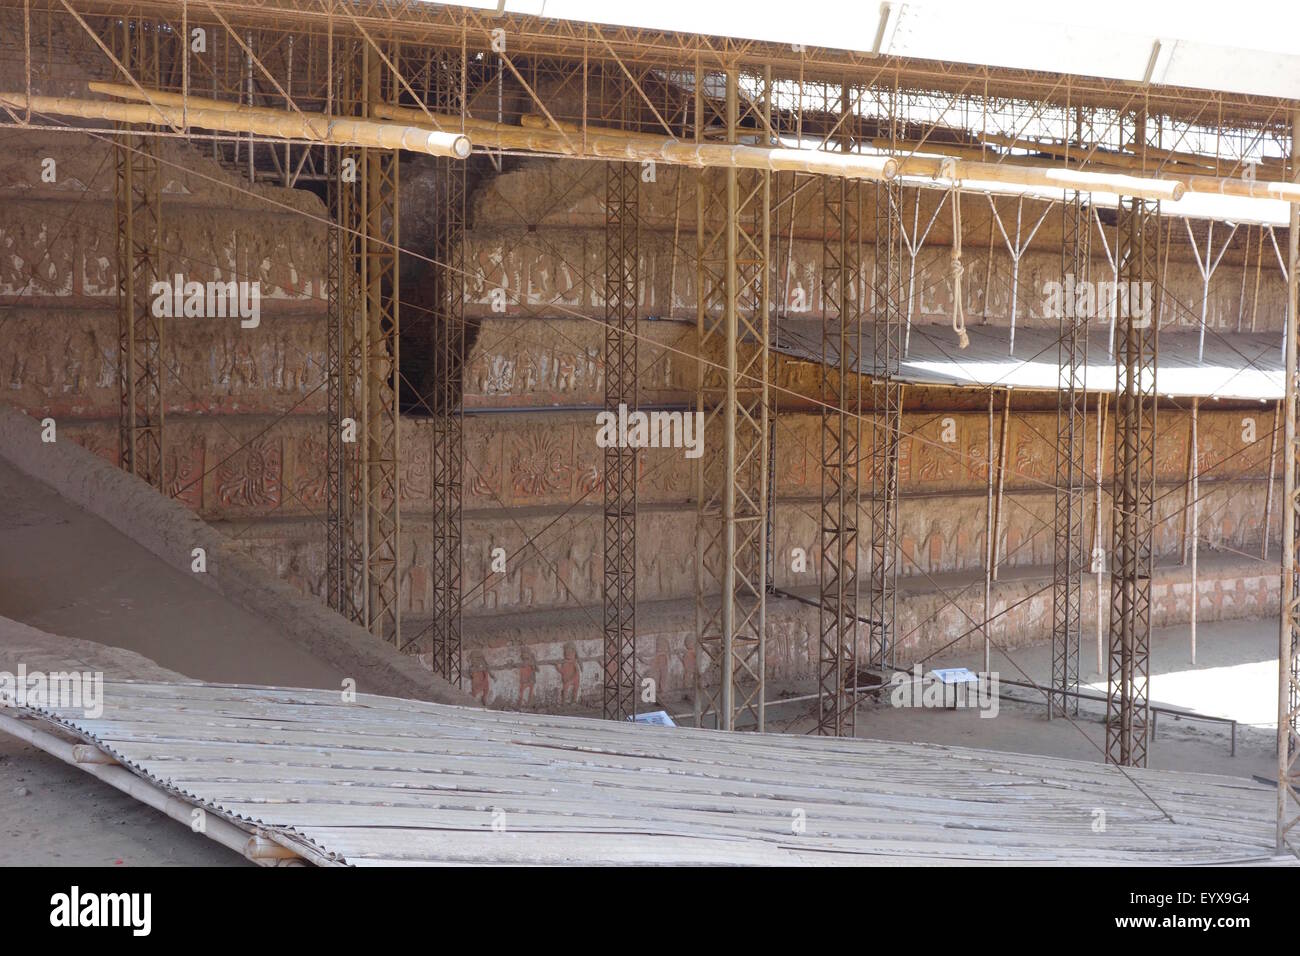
385	781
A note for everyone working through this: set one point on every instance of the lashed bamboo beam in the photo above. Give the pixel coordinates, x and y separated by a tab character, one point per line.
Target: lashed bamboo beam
1246	188
1193	170
616	144
1266	167
537	134
1097	158
602	143
1119	184
1023	172
234	118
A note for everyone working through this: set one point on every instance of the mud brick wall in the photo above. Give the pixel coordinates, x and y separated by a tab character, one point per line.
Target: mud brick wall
537	235
245	431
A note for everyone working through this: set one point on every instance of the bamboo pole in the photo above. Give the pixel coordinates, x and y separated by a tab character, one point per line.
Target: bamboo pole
1272	471
1188	494
1119	184
1099	160
237	118
606	143
642	147
1099	559
1246	188
1170	156
988	544
1002	480
1196	514
1286	649
617	144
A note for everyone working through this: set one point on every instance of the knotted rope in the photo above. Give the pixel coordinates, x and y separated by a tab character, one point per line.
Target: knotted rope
957	269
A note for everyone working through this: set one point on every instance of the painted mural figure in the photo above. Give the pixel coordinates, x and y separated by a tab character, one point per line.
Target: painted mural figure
570	674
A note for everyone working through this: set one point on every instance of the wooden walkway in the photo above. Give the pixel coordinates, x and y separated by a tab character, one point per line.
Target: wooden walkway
383	781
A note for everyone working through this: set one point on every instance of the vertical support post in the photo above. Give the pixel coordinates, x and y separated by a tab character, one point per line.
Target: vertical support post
1127	705
621	281
1187	497
710	260
381	365
1004	431
1194	536
335	500
138	205
345	559
988	547
1288	690
733	239
1272	473
1071	428
1098	550
841	434
448	457
340	385
887	420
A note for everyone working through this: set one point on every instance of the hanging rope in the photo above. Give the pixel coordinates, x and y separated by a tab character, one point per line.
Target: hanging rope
956	268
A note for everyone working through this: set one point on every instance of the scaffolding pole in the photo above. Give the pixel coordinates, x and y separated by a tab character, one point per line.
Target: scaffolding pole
732	251
342	383
841	434
381	477
1288	704
1128	667
621	277
345	558
1071	420
138	205
887	421
448	453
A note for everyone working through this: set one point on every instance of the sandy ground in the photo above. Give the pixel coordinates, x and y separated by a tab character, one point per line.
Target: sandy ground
70	573
104	603
52	813
1235	676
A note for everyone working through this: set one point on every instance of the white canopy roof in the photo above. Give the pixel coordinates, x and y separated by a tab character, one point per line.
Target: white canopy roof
1253	47
1235	365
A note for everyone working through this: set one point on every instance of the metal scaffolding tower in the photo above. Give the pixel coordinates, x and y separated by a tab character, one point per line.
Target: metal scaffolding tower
841	435
1288	705
380	287
1127	707
1071	416
138	205
344	366
887	312
448	400
343	382
732	251
621	275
